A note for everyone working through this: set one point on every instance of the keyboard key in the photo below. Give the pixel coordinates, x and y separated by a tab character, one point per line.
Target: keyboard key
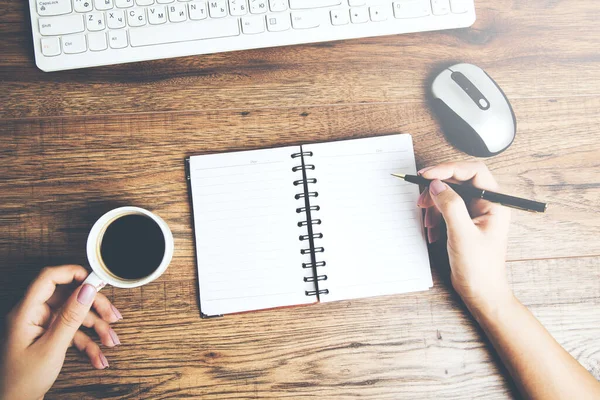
103	5
339	17
180	33
308	4
258	6
136	17
97	41
238	7
165	1
124	3
359	15
177	13
357	3
144	2
412	9
278	22
217	8
440	7
82	6
61	25
50	46
95	21
157	15
117	39
305	20
459	6
378	13
53	7
197	10
278	5
115	19
74	44
253	25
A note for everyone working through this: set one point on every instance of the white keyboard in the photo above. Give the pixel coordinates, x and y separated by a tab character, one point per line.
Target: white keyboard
71	34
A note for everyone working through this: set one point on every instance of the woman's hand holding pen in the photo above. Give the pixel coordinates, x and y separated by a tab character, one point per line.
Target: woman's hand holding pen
477	233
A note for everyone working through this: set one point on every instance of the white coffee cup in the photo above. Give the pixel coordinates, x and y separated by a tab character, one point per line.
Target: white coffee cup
101	275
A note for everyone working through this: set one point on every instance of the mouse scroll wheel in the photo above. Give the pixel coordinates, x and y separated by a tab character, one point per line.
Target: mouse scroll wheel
483	103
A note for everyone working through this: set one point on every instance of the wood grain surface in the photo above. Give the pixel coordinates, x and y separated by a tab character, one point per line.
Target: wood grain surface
75	144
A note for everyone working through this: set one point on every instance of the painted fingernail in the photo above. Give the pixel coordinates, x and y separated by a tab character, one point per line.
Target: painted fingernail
421	199
423	170
432	235
114	337
116	312
436	187
104	361
86	295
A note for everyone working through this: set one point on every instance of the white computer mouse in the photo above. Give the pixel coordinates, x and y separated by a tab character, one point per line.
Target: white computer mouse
474	112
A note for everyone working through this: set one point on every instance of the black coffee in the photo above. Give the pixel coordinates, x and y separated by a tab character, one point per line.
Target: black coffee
132	247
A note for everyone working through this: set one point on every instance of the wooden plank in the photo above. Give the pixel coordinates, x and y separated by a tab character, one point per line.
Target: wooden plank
61	174
533	49
422	345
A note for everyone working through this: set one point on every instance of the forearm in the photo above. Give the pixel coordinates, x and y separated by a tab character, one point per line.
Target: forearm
541	368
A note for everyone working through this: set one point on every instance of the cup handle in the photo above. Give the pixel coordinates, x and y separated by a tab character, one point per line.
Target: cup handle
95	281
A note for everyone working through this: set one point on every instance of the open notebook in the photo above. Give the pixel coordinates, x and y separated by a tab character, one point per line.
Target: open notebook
303	224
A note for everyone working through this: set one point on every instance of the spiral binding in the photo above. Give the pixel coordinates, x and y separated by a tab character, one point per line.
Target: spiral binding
309	222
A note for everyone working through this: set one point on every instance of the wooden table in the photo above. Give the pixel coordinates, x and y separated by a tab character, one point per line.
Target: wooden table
75	144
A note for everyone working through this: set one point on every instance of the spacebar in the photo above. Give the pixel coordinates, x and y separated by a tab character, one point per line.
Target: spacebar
183	33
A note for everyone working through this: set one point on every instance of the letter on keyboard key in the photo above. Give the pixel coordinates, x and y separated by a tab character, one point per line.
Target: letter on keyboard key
97	41
95	21
82	6
74	44
115	19
238	7
136	17
412	9
459	6
184	32
252	25
103	5
177	12
61	25
197	10
440	7
305	20
157	15
308	4
278	22
217	8
53	7
50	46
117	39
258	6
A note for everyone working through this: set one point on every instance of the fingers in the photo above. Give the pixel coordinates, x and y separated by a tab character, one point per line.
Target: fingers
107	335
474	171
85	344
105	309
452	208
70	317
42	288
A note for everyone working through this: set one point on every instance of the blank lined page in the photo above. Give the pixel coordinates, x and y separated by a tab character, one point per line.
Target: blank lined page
372	229
246	230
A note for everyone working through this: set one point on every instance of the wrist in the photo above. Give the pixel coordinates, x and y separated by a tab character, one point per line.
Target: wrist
489	305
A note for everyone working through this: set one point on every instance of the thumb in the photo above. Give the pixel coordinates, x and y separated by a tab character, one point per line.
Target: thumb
71	316
453	208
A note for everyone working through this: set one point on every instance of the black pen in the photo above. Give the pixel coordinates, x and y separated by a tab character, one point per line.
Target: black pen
475	193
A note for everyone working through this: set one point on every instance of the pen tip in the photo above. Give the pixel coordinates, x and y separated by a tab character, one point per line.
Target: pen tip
401	176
